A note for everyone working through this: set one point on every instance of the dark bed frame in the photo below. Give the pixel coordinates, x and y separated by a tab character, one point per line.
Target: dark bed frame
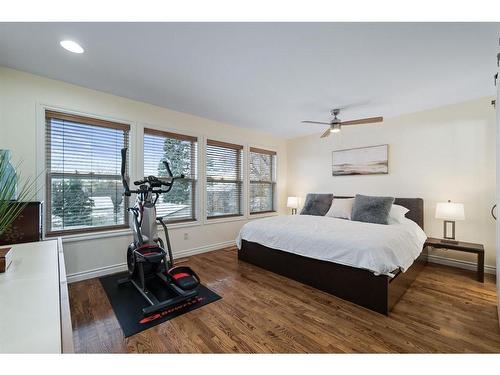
378	293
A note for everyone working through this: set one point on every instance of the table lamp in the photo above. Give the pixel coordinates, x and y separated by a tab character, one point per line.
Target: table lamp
449	212
293	203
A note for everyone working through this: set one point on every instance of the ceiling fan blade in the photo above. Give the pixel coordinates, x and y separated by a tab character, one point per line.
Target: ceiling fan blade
326	134
315	122
369	120
351	105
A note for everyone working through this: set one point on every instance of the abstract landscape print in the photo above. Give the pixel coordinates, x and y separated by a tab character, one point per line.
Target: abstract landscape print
360	161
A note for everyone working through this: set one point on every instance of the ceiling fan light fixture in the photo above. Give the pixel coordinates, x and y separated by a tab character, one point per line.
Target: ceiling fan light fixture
335	125
335	128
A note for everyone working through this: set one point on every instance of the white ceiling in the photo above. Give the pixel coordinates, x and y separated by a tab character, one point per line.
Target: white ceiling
267	76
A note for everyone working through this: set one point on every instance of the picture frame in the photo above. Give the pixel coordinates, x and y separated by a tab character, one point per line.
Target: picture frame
368	160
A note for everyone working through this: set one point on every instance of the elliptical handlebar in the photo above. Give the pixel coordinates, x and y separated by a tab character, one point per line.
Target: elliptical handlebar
169	180
167	167
126	189
152	181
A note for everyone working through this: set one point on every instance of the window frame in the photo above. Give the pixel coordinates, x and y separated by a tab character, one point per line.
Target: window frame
194	163
135	165
84	120
274	165
240	182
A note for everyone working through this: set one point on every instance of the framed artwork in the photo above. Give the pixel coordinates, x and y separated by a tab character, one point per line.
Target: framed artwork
361	161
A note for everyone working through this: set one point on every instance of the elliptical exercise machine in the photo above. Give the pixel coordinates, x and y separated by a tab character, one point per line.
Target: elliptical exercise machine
147	256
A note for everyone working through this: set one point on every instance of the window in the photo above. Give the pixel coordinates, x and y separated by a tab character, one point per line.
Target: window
224	181
181	152
262	180
83	160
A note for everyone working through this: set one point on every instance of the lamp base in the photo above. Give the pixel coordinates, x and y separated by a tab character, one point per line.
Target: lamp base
447	238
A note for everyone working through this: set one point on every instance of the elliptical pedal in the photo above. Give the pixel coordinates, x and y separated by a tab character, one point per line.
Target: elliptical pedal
184	277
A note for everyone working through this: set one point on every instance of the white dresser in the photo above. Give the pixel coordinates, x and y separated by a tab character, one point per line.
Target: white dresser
34	304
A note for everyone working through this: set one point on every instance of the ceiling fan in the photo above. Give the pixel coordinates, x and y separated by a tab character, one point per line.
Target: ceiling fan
336	123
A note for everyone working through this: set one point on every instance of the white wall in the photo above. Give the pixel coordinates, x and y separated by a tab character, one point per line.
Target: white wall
22	99
497	99
446	153
440	154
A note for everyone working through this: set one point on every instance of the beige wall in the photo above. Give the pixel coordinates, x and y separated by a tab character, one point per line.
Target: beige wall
446	153
440	154
22	100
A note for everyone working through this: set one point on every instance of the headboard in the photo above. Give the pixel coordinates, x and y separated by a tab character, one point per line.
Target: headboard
415	205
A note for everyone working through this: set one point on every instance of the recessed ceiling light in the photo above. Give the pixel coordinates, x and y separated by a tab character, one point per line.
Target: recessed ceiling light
71	46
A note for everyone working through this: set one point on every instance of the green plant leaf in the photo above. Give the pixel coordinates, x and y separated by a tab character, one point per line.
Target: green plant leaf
10	209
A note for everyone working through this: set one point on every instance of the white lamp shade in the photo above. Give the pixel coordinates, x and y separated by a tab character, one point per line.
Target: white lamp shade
292	202
450	211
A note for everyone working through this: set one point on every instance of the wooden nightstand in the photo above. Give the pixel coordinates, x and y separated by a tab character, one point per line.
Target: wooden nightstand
467	247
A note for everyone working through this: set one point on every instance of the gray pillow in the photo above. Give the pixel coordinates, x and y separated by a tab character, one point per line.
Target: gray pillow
317	204
371	209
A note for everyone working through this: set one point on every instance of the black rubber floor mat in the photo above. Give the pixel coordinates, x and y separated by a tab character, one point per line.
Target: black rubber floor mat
127	303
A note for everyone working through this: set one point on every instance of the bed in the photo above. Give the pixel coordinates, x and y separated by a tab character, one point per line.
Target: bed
373	268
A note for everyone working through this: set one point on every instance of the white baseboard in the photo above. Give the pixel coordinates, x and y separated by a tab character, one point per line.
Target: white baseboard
472	266
108	270
203	249
97	272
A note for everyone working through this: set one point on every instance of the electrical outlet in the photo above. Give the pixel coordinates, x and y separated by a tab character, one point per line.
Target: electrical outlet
186	236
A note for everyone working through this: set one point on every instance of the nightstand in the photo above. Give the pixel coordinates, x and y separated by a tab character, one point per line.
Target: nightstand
466	247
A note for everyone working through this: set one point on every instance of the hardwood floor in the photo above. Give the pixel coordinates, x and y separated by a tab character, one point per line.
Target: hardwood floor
445	311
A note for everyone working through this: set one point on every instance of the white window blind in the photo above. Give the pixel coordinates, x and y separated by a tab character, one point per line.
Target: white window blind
262	180
181	152
224	179
83	182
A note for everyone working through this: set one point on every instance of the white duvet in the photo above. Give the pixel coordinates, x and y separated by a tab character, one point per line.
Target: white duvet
375	247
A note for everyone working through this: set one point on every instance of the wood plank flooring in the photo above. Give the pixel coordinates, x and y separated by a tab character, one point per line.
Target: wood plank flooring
445	311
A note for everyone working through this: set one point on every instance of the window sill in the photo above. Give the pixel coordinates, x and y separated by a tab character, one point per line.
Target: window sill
260	215
183	224
68	238
224	219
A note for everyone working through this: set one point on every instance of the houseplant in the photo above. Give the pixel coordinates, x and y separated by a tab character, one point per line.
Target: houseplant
11	193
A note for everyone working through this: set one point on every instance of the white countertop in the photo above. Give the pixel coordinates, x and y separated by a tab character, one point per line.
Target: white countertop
29	300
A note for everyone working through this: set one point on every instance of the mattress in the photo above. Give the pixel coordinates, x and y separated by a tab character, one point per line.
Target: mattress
379	248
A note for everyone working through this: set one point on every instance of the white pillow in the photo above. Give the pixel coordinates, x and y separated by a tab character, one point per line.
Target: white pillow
341	208
397	214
